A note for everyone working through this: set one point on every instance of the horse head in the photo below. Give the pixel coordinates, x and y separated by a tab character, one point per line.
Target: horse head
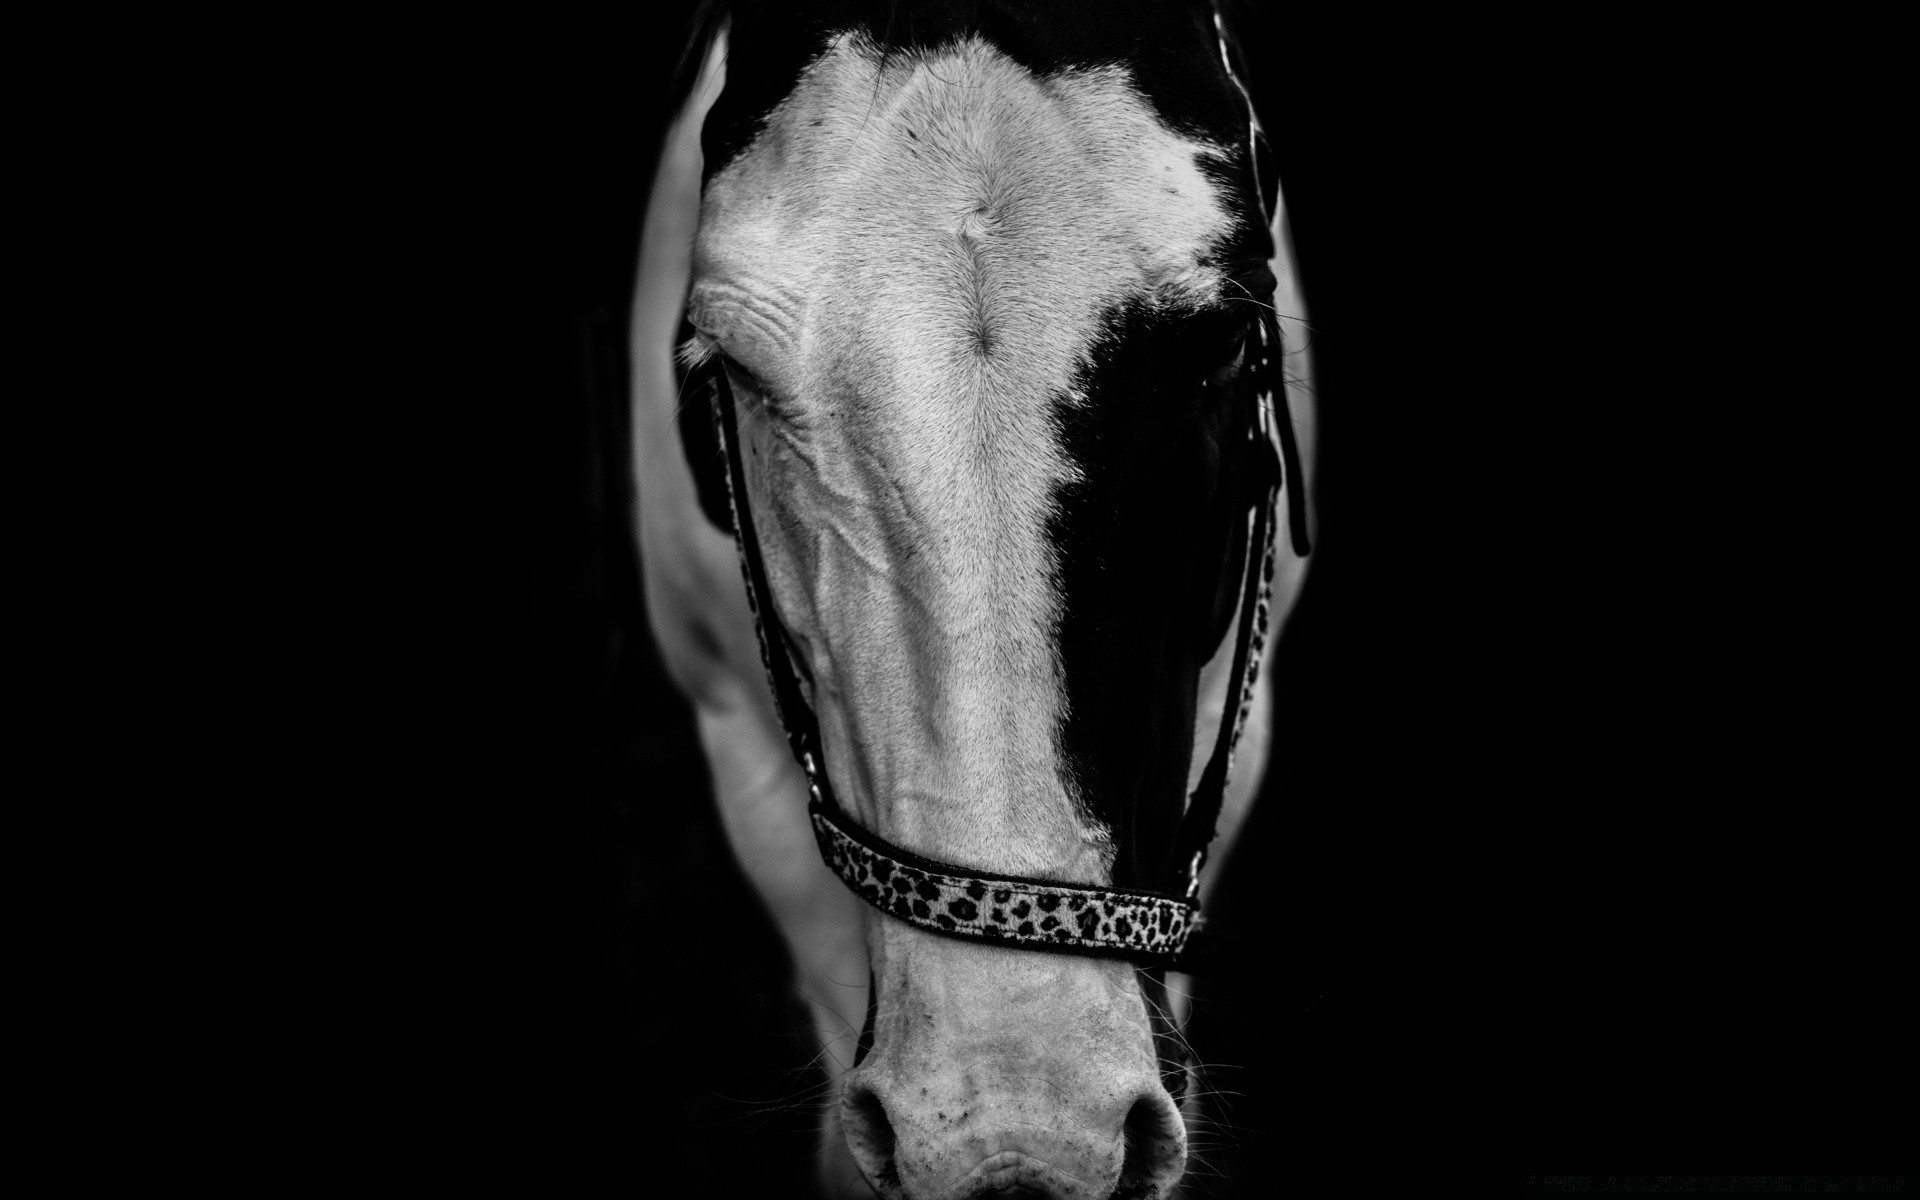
980	294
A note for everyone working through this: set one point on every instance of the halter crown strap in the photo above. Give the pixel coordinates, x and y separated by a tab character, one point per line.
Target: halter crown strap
1153	927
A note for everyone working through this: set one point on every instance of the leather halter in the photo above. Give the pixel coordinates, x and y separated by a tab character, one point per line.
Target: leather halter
1153	928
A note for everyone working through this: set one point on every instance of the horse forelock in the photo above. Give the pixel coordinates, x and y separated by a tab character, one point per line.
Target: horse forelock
962	284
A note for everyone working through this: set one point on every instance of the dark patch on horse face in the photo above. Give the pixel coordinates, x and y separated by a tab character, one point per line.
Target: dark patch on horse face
1148	543
1171	49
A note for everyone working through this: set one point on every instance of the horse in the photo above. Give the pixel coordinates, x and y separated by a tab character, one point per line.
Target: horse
969	386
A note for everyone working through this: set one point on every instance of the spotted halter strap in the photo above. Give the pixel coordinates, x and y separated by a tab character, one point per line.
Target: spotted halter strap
1154	928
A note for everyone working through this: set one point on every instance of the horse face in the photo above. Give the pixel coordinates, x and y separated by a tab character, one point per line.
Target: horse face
981	326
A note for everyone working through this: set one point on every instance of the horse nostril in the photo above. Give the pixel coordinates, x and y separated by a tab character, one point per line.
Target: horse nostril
1156	1140
869	1134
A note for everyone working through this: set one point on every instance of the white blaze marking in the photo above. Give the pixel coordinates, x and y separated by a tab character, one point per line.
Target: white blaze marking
915	258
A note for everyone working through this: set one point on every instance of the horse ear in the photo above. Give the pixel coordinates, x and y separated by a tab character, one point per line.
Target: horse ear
700	388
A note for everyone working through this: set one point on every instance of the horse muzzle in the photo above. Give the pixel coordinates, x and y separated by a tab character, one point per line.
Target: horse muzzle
998	1073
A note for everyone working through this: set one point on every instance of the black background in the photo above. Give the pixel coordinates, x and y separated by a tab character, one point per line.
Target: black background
1573	856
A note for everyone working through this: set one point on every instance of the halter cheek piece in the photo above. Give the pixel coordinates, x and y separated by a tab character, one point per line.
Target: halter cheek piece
1156	929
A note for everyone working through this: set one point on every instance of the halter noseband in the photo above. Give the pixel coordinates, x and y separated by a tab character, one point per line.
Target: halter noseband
1154	928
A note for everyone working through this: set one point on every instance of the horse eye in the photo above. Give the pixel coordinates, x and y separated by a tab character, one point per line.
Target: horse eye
1228	372
745	385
